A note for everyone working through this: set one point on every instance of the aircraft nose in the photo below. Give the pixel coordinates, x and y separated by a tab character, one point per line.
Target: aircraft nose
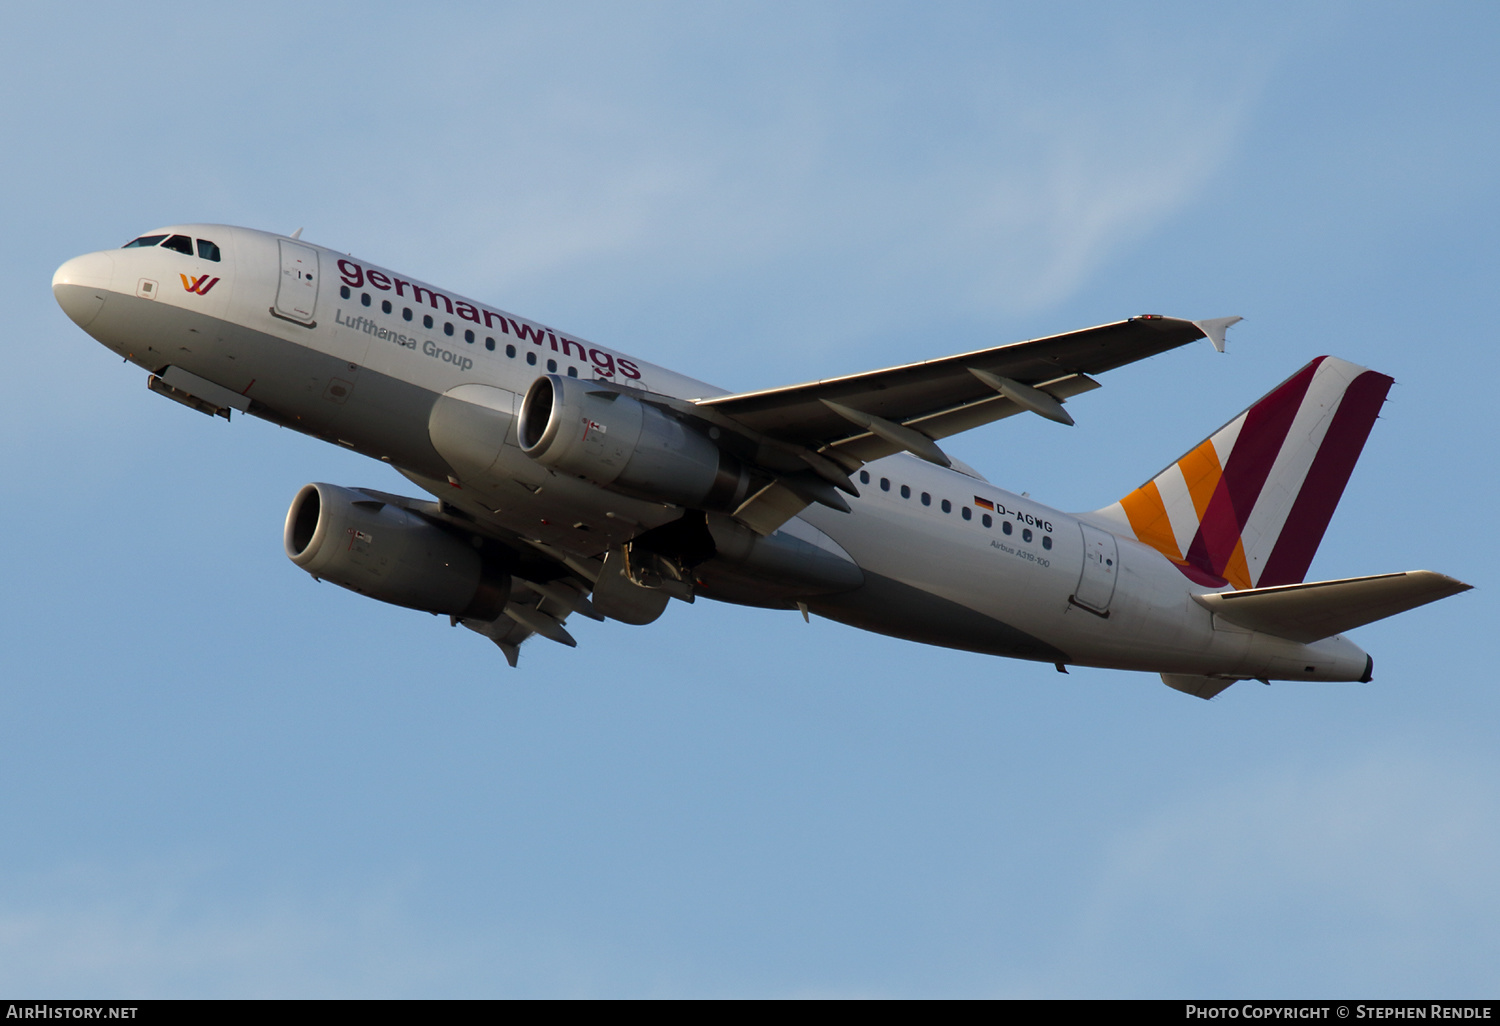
80	286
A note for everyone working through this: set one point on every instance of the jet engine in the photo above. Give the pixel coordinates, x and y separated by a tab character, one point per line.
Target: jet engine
391	554
581	428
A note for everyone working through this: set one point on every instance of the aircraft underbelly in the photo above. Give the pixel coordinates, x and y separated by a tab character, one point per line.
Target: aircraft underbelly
943	587
970	589
288	382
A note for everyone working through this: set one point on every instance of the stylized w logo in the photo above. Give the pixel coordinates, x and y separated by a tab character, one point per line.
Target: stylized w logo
200	284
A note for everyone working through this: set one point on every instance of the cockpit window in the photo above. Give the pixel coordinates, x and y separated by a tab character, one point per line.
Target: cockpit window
207	250
143	241
180	244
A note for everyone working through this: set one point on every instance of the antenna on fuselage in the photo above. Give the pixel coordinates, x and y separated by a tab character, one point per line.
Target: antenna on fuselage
297	234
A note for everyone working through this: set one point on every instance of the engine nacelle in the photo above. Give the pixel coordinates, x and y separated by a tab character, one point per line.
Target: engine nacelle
391	554
620	443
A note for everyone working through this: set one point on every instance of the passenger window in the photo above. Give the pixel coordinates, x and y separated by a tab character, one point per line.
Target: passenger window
864	477
1046	541
510	350
468	334
926	499
947	506
572	372
885	484
906	491
406	313
179	244
1026	535
143	242
531	359
344	291
427	320
968	513
364	299
489	344
385	306
551	366
208	251
447	327
1005	527
986	521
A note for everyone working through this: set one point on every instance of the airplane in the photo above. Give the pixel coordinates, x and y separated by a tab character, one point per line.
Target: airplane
567	477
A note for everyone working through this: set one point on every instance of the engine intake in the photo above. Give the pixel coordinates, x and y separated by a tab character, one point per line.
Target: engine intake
617	442
391	554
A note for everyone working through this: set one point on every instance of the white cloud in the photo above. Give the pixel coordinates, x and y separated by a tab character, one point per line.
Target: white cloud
993	181
995	228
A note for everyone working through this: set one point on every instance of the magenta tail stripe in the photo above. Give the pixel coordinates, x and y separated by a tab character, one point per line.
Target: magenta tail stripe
1260	440
1326	478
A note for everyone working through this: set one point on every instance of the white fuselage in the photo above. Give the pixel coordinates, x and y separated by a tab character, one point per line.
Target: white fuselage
356	354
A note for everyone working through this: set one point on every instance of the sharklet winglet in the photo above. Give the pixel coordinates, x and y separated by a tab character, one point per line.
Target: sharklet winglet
1215	328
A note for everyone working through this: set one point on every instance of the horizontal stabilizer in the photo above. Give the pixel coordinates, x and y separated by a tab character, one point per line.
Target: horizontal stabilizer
1321	609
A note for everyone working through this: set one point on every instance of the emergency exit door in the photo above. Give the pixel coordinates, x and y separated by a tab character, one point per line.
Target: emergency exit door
297	291
1101	563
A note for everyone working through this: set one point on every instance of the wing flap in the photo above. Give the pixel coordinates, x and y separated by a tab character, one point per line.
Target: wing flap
769	508
963	417
1321	609
852	420
798	414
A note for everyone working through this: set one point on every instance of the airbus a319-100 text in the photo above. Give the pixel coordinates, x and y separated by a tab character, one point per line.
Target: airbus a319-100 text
568	478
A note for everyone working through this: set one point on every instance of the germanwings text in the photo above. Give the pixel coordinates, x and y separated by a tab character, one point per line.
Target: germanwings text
356	276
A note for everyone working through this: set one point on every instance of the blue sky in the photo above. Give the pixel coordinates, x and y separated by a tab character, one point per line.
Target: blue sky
220	778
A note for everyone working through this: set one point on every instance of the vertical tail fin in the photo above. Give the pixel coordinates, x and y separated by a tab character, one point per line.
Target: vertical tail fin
1249	504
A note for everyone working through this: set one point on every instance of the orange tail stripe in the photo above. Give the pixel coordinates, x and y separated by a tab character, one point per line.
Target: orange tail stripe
1200	469
1148	519
1237	570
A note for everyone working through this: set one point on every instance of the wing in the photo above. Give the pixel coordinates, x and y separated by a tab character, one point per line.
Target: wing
802	441
815	434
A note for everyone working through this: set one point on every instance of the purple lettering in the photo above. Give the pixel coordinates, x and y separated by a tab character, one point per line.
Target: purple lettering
603	362
526	333
432	297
